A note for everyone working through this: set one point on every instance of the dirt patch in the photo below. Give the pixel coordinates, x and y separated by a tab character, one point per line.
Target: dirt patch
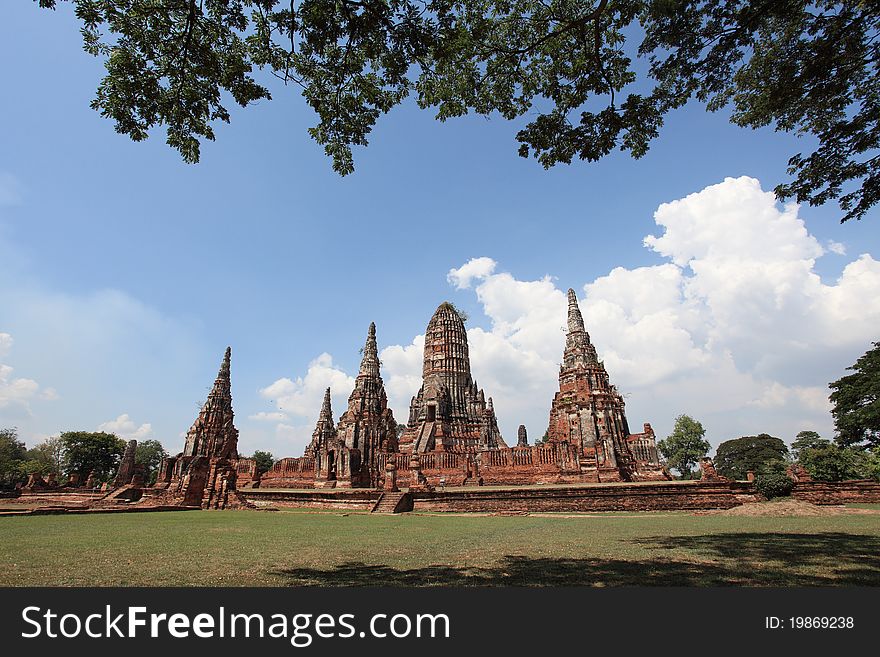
788	507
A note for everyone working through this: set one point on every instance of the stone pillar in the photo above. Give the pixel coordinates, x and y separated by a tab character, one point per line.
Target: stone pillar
750	475
390	477
522	437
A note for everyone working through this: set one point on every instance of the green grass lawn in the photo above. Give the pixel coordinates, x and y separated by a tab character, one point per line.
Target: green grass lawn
249	548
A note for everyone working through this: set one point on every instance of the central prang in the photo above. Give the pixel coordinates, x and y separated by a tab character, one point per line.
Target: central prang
450	412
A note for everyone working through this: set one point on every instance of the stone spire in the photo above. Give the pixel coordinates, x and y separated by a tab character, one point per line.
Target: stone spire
370	361
324	431
368	424
522	436
213	434
575	319
578	349
326	414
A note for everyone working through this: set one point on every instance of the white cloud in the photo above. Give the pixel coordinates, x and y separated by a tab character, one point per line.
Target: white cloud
301	398
124	427
836	247
402	374
16	393
473	268
734	327
263	416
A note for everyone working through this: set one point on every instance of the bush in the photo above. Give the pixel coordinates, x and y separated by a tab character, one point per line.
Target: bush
774	483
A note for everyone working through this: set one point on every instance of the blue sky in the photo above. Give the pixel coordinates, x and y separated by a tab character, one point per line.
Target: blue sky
124	272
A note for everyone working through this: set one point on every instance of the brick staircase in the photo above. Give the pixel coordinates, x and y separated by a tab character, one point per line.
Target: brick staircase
398	502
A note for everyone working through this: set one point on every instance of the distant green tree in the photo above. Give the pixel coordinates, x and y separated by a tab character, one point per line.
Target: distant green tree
856	400
734	458
264	460
772	480
149	454
831	462
12	456
45	457
807	440
97	452
685	446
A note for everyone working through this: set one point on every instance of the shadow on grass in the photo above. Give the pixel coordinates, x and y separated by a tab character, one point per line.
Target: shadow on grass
734	559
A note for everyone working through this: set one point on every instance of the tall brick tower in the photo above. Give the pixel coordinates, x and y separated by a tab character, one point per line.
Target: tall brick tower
588	412
450	411
204	474
213	434
368	425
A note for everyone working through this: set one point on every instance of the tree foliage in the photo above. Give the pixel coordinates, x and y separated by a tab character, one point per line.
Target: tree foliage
569	66
149	453
856	400
734	458
772	481
264	460
831	462
806	440
685	446
12	455
86	452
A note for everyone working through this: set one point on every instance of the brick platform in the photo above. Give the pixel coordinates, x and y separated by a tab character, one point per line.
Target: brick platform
649	496
859	491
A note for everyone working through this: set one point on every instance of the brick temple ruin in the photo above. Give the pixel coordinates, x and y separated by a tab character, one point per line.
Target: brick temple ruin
205	474
451	439
452	436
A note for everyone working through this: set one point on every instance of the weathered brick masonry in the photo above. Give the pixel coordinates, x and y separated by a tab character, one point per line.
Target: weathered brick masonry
646	496
452	436
862	491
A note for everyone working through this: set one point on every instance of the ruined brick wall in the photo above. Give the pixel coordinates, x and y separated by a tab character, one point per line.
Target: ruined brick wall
557	463
290	473
246	473
859	491
667	496
363	499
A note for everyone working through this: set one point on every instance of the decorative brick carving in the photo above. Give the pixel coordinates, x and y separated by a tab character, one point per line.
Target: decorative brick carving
588	413
205	473
450	411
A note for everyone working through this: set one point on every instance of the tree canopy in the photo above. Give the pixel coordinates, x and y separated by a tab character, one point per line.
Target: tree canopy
856	400
570	66
150	453
806	440
685	446
12	455
831	462
264	460
86	452
734	458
